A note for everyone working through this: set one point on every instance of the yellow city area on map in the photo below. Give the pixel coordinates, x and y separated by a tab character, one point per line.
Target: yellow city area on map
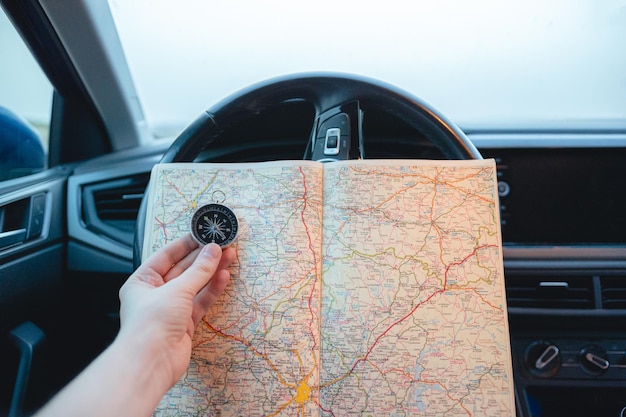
360	288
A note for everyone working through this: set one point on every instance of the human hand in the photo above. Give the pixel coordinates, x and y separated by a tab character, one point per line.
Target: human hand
166	297
161	304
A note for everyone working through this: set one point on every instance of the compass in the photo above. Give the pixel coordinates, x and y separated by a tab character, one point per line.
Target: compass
214	223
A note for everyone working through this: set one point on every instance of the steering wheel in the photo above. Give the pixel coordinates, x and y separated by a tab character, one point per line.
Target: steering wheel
337	131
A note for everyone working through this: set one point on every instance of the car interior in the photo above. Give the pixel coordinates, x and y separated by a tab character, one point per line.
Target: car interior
70	226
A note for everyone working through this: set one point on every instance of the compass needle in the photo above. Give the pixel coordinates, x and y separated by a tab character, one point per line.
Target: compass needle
214	223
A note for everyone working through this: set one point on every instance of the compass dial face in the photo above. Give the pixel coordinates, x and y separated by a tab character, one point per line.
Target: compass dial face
214	223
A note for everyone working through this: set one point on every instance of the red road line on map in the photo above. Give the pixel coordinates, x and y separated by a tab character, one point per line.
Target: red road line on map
406	316
306	228
383	334
253	350
162	226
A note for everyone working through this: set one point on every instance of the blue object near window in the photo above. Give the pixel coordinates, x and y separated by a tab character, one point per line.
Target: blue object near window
21	150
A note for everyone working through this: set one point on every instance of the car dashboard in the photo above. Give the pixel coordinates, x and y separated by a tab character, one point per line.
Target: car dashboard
563	228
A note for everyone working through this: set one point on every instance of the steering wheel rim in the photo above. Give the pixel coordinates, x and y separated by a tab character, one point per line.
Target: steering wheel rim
329	95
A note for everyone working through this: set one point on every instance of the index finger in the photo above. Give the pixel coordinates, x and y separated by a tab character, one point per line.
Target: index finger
169	255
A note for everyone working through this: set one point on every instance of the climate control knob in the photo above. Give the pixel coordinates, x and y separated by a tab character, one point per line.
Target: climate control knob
594	359
543	358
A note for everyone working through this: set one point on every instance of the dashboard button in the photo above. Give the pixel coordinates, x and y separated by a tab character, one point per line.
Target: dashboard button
543	358
594	359
503	188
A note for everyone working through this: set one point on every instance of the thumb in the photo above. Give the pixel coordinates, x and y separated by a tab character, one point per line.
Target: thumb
202	269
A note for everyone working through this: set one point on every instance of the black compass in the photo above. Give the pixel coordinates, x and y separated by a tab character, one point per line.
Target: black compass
214	223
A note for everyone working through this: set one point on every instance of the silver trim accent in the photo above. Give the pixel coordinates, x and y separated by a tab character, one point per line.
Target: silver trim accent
334	150
549	284
597	361
546	357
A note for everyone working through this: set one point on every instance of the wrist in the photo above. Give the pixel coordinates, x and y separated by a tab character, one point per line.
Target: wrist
146	363
127	379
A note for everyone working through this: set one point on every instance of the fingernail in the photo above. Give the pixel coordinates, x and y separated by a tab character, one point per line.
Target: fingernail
212	250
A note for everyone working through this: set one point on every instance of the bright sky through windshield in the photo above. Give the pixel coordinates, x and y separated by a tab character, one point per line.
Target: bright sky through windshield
477	61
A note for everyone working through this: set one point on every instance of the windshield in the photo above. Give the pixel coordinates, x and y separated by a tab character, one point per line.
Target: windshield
487	63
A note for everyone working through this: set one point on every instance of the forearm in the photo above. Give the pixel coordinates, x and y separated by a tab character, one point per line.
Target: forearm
124	380
162	302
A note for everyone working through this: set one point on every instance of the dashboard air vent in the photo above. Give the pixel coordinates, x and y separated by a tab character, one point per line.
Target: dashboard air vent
110	207
613	292
550	292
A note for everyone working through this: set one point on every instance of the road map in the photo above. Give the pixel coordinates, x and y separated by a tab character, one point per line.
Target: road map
360	288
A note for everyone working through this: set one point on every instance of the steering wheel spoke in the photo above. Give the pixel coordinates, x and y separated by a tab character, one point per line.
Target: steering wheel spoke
337	134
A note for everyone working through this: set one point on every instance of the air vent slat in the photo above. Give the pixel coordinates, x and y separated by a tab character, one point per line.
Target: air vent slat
613	292
548	303
110	208
118	204
550	292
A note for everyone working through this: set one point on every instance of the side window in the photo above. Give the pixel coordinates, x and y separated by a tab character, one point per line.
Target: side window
25	107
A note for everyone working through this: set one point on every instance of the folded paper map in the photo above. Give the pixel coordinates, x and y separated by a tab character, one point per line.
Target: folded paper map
360	288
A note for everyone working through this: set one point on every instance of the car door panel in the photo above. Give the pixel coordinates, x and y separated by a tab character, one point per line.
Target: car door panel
32	264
